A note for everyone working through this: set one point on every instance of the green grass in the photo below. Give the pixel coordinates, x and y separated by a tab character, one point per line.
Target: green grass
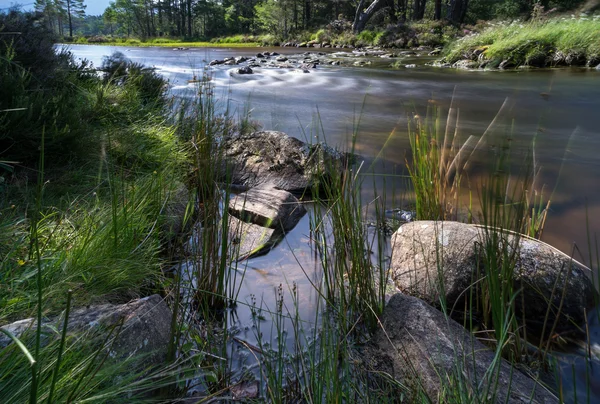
173	43
521	42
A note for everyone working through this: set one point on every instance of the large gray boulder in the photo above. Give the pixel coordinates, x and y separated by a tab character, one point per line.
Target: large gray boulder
428	352
267	206
144	327
274	158
427	255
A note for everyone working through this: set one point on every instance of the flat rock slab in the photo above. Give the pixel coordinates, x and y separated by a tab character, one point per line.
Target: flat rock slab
250	239
426	351
146	327
267	207
274	158
427	255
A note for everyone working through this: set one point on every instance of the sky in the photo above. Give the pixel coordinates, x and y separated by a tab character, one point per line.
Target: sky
94	7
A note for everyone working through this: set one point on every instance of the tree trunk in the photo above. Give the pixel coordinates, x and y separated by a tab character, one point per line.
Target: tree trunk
419	9
457	10
437	14
189	17
306	13
70	21
362	17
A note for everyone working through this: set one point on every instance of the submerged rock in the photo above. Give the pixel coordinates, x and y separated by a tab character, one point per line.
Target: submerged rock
427	255
268	207
245	70
274	158
426	351
248	239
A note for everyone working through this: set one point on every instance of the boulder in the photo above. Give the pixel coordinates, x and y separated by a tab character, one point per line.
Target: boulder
216	62
429	353
506	64
281	59
249	240
551	283
146	327
245	70
268	207
241	59
466	64
274	158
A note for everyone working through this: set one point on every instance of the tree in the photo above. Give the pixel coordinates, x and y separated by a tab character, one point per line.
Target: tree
457	10
363	15
110	18
73	8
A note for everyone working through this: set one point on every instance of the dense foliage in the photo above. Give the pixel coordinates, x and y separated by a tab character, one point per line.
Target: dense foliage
282	18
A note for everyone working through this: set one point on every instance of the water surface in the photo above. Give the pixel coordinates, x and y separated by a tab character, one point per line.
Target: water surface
559	108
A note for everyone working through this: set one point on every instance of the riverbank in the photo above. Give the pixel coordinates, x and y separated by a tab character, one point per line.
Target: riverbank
556	42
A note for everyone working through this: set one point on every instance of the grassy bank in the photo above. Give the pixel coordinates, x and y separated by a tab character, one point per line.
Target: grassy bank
238	41
564	41
89	169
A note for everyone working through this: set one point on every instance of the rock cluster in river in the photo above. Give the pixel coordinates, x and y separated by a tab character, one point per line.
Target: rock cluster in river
310	60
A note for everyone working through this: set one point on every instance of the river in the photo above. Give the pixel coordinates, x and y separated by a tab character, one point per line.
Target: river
559	107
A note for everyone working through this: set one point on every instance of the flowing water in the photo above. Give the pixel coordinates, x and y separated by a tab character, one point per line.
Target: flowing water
559	109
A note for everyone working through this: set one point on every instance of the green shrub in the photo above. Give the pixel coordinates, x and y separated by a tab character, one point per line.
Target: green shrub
321	36
367	37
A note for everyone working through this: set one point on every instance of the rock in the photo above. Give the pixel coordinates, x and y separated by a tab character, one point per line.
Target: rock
146	327
411	66
302	45
425	351
543	272
245	390
506	64
240	59
598	67
281	59
245	70
216	62
267	207
435	52
284	162
274	54
466	64
575	59
260	55
230	62
249	240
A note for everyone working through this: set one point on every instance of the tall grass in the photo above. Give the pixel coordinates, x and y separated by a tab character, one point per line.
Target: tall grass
526	42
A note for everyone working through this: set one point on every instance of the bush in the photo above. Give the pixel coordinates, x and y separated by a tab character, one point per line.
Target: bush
149	86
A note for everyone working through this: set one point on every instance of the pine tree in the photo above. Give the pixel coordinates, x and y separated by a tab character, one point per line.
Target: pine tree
72	8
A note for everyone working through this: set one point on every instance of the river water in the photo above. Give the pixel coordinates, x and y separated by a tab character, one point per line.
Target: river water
559	107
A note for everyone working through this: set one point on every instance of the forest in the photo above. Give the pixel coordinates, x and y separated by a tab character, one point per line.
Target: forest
284	19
